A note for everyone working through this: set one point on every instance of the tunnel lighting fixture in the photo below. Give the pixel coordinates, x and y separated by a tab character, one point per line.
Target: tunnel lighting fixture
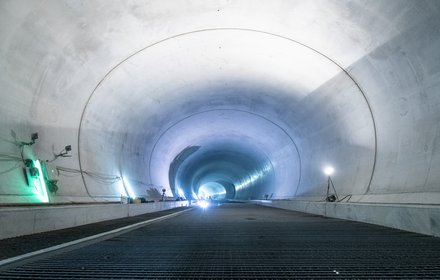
195	196
329	170
41	190
203	204
64	152
180	193
34	136
35	178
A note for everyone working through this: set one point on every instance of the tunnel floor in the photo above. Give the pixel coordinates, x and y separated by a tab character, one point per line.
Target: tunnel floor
242	241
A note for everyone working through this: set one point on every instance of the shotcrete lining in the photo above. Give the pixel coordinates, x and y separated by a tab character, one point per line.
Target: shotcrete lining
255	136
222	29
233	162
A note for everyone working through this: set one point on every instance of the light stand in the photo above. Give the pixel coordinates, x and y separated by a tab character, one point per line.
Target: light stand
328	170
331	197
163	194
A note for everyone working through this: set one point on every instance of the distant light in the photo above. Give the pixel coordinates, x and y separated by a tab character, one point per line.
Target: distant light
204	204
180	193
211	190
266	201
128	188
121	189
328	170
194	196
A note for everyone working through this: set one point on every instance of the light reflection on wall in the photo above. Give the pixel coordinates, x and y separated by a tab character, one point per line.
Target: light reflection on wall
128	188
194	195
180	193
121	189
254	177
212	190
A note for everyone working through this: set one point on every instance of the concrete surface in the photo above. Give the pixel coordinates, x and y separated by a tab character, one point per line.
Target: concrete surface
415	218
271	92
243	241
24	221
27	244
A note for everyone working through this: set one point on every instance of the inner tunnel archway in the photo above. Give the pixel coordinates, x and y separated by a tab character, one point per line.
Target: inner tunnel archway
223	103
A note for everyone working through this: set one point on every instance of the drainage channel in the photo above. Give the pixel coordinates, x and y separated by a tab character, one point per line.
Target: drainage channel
238	241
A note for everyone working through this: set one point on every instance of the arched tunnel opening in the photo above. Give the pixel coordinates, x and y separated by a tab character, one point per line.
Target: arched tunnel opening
235	148
213	190
263	125
222	171
266	113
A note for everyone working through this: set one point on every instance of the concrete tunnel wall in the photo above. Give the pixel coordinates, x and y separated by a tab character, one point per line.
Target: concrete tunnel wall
291	85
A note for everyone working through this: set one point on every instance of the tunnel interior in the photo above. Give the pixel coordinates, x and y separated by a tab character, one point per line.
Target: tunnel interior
232	100
224	171
253	133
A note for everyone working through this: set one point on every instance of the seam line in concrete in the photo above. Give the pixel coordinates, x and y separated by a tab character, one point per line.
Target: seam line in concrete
89	238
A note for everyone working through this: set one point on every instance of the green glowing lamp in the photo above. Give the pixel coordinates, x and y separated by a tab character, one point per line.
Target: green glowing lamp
36	180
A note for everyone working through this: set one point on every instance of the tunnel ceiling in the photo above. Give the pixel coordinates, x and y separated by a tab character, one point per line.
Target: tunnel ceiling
253	97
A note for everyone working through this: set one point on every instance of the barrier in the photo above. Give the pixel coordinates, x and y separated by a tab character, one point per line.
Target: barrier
29	220
424	219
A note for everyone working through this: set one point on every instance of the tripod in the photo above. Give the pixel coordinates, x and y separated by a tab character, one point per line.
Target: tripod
331	197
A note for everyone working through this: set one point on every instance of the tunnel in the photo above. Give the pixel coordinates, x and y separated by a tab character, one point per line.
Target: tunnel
310	128
112	109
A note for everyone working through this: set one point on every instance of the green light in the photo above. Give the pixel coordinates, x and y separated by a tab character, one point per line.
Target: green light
41	191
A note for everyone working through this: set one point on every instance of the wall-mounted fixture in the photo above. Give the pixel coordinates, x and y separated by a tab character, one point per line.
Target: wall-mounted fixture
64	152
34	136
51	176
35	178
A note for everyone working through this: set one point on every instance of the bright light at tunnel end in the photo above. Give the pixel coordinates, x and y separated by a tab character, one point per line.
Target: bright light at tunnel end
203	204
329	170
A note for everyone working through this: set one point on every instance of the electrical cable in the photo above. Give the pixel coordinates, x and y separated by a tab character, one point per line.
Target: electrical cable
98	177
22	152
5	157
70	176
10	169
10	158
66	169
